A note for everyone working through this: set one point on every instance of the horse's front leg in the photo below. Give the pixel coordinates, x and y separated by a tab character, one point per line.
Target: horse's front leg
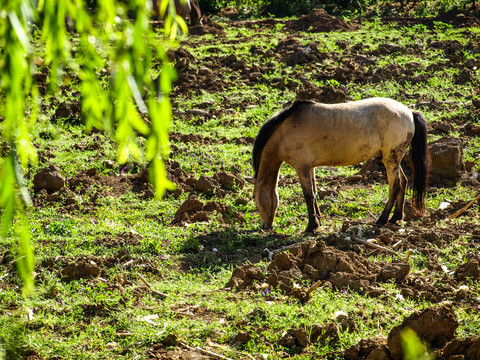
305	175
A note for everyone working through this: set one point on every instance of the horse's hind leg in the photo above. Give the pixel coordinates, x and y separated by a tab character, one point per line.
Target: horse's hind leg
315	203
398	212
394	188
305	176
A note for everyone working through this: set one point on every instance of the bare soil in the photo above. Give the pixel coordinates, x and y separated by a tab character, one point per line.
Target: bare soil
337	261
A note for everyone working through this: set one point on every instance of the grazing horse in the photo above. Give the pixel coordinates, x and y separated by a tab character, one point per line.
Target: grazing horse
182	8
309	134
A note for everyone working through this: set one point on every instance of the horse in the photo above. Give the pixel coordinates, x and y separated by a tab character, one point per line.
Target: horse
182	8
309	134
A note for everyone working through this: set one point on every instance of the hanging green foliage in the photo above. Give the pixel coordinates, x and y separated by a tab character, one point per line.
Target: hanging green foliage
124	103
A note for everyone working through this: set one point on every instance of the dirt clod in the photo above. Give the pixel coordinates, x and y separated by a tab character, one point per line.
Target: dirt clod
435	325
313	260
229	181
319	21
244	276
79	270
469	270
446	155
49	178
206	184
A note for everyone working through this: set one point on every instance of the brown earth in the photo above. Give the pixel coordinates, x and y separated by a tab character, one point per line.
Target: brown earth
337	261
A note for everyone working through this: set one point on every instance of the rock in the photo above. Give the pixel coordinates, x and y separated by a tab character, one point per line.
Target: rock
446	157
436	326
49	178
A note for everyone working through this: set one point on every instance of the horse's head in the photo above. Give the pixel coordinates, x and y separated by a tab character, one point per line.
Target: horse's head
267	203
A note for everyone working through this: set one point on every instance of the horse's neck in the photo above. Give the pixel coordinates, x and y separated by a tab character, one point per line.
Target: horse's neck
268	172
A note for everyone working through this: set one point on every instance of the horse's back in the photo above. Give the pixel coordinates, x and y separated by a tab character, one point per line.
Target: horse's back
344	134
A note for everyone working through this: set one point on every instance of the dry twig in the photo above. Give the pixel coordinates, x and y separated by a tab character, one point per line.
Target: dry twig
374	246
203	351
146	283
462	210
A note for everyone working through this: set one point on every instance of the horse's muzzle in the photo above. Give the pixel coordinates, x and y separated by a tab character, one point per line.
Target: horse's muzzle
265	226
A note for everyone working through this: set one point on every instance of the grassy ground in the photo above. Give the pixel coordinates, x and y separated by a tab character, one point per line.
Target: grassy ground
148	288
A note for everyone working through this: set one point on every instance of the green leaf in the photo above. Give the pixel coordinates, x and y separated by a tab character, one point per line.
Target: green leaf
413	348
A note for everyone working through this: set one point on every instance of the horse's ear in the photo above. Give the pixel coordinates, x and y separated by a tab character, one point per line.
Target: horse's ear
251	180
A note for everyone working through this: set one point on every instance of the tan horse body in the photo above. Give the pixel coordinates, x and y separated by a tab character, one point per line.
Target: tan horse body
310	134
182	8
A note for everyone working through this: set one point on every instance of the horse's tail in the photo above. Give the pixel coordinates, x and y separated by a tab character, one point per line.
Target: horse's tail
421	162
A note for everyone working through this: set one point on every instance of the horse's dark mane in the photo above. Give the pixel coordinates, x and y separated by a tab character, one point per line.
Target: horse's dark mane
267	130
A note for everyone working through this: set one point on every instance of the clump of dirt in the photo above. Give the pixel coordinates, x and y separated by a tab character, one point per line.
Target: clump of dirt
326	94
114	185
207	27
51	186
195	210
468	348
364	348
70	111
121	240
314	261
304	335
293	52
49	179
447	165
469	270
436	326
244	276
453	17
89	266
80	270
319	21
219	184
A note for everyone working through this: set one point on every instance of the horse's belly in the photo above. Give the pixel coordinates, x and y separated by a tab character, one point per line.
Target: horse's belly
343	158
333	153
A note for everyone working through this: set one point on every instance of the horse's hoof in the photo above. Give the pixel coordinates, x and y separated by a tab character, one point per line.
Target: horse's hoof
265	226
311	229
381	222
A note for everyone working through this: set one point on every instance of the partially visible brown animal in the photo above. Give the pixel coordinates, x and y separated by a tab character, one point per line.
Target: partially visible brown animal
310	134
183	8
